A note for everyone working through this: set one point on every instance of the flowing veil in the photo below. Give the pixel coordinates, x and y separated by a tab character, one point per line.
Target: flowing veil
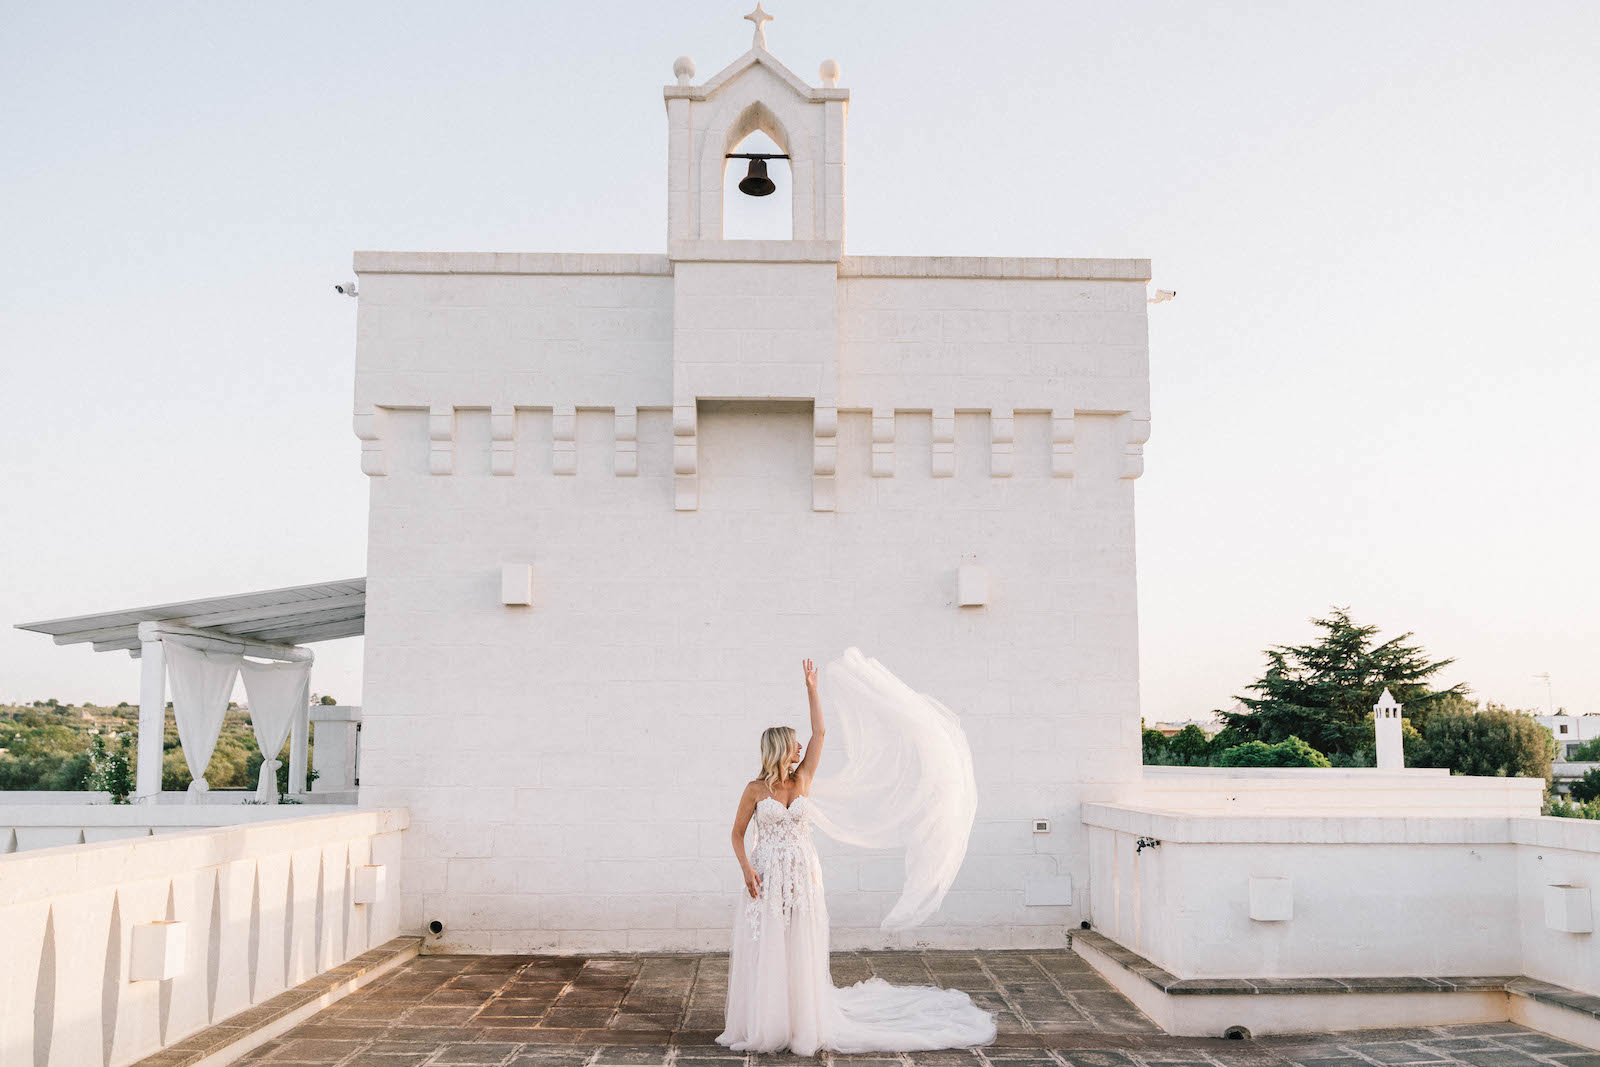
906	783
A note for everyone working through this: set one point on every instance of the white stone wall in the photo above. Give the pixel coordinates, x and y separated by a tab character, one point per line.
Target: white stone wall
264	906
1370	893
571	767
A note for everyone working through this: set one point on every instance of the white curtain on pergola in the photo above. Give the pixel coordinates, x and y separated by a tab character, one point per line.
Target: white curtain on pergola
202	682
277	692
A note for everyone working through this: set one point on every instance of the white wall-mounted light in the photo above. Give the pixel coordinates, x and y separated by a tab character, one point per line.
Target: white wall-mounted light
368	883
1271	900
516	583
1567	908
972	586
156	952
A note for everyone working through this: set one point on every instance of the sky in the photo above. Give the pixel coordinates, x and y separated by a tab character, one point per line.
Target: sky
1373	390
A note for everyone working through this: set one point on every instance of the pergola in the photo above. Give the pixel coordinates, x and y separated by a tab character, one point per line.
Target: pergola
271	624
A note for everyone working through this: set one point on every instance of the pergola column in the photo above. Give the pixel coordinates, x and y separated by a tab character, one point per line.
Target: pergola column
299	738
152	718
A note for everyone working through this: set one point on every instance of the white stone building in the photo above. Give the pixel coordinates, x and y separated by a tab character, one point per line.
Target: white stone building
614	501
1570	731
706	465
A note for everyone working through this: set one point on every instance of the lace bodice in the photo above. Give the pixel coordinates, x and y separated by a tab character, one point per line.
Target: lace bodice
777	825
785	859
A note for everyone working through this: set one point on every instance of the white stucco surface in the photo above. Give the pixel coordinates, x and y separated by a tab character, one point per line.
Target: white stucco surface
1373	893
263	906
718	462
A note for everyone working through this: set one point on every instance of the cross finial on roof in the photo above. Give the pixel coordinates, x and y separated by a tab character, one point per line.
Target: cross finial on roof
759	17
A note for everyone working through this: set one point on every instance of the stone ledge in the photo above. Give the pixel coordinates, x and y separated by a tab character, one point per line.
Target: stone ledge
40	874
239	1033
739	251
1316	828
509	263
1120	270
733	251
1166	982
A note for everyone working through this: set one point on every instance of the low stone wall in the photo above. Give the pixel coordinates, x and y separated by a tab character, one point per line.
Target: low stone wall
25	827
1318	790
1205	894
115	950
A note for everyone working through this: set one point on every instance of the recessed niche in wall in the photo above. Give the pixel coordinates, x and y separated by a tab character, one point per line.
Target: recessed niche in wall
755	454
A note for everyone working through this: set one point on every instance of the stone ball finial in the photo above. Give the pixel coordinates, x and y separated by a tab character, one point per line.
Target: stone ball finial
829	72
683	70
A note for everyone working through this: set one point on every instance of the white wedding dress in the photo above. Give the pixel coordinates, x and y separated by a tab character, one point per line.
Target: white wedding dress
907	783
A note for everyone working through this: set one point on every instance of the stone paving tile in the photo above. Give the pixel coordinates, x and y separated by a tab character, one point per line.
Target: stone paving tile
1542	1044
1505	1057
1052	1010
1402	1052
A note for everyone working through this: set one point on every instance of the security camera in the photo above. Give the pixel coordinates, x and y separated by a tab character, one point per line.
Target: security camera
1161	297
347	288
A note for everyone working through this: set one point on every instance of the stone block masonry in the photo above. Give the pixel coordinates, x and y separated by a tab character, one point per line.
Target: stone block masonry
715	463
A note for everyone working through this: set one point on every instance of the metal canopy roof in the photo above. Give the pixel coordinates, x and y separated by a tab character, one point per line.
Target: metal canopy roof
295	615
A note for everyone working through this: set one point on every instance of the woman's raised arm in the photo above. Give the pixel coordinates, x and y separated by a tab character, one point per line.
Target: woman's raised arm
808	766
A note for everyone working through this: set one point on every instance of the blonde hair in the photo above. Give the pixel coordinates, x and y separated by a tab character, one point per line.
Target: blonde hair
775	744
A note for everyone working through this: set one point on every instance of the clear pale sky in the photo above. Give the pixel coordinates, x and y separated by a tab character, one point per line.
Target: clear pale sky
1375	389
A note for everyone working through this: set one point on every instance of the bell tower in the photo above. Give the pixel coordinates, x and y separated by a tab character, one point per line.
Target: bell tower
754	321
755	92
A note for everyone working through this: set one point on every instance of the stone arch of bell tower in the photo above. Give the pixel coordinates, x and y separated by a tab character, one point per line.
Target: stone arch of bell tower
755	92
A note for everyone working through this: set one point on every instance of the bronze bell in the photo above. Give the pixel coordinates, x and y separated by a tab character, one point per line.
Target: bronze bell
756	182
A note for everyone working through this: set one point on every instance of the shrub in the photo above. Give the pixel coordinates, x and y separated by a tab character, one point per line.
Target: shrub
1562	808
1291	752
110	768
1587	788
1189	747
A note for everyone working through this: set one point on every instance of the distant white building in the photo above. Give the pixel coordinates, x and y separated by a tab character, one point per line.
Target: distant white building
1210	724
1570	731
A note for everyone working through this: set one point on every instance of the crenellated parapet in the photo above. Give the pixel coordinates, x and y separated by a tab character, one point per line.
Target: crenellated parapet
776	322
383	432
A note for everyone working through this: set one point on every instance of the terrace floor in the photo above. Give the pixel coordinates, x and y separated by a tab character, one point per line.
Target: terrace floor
654	1011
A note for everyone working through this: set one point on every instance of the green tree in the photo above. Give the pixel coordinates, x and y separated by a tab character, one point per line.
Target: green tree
1189	747
1323	692
1290	752
175	776
1154	743
1587	788
1494	741
326	699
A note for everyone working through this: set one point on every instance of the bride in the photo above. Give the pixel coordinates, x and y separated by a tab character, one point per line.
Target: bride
907	784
